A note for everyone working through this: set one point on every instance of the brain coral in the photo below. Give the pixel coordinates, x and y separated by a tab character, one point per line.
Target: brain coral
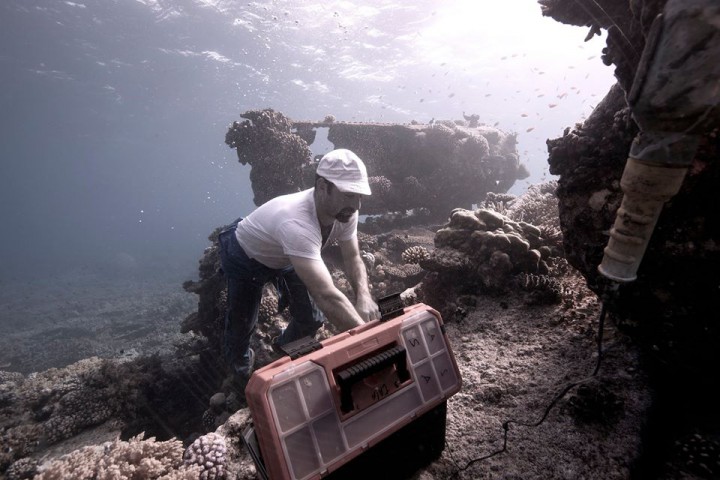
208	452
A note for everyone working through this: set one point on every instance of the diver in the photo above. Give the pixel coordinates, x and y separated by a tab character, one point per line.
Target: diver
280	242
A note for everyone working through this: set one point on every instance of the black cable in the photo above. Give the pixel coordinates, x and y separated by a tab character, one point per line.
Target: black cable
506	424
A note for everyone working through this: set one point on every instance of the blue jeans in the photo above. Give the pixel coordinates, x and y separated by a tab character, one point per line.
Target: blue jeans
246	278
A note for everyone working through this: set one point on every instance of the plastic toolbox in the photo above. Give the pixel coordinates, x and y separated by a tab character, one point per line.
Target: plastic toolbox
369	401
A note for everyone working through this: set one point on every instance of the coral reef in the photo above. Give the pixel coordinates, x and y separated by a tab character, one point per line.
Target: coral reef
50	407
626	24
24	468
590	159
209	319
268	305
136	459
434	167
509	243
486	248
543	289
415	254
265	141
670	310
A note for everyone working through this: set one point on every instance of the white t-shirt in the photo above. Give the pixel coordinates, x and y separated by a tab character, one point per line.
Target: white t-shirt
288	225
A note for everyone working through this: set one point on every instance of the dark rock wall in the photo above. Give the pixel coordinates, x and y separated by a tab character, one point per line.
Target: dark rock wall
674	296
671	310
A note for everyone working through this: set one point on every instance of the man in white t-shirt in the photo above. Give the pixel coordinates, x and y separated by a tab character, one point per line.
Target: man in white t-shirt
281	242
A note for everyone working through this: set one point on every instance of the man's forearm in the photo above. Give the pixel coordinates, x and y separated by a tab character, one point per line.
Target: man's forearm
364	303
358	276
338	309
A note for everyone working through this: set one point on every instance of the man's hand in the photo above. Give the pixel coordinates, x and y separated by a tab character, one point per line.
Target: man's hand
367	308
355	271
333	303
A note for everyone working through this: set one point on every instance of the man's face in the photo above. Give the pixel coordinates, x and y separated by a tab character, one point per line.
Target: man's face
341	205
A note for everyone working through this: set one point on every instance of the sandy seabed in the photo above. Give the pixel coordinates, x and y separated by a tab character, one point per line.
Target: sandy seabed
59	320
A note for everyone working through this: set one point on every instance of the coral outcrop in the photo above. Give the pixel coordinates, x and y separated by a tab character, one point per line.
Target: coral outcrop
50	407
433	167
207	452
486	247
508	243
265	141
670	306
671	309
136	459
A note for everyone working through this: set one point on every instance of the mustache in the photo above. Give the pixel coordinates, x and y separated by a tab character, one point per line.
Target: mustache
346	212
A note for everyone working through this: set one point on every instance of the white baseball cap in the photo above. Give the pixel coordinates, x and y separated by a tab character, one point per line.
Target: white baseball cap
345	169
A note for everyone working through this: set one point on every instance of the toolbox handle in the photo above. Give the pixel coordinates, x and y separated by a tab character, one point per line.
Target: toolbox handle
347	377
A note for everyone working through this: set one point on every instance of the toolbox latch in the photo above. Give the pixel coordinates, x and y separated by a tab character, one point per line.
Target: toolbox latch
300	347
391	306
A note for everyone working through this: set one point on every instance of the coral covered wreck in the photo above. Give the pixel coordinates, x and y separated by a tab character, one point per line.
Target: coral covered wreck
435	167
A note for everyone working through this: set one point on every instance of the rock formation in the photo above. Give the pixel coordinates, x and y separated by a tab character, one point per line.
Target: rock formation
671	309
673	297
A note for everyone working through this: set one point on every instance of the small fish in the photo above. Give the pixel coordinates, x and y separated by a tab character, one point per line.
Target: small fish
541	95
530	129
523	114
496	124
422	100
552	105
451	95
488	94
